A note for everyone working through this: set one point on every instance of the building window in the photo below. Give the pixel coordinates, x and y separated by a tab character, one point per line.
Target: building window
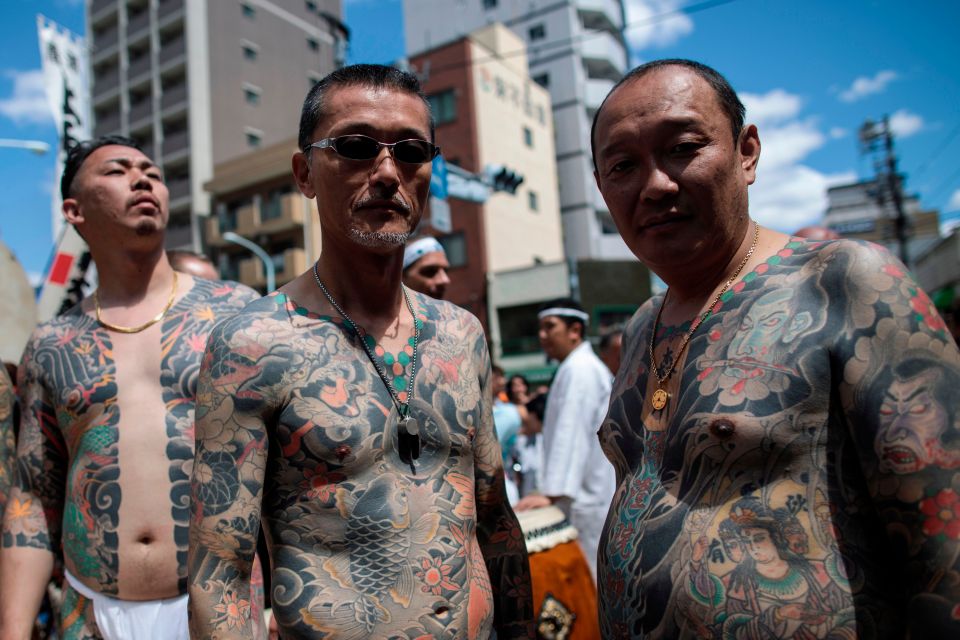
312	79
312	44
489	4
254	137
532	201
543	80
444	106
250	52
537	32
311	6
248	11
251	94
528	137
455	246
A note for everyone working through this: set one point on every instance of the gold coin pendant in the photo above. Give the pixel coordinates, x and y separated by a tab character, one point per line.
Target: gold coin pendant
659	400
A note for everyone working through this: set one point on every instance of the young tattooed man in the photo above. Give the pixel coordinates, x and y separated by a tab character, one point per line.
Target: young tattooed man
107	398
782	425
352	416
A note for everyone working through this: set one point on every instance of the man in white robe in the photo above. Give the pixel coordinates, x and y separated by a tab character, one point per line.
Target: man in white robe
576	475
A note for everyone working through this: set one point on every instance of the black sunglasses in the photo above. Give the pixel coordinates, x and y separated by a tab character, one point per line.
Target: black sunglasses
359	147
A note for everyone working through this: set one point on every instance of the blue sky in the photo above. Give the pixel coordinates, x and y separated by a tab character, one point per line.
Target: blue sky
809	71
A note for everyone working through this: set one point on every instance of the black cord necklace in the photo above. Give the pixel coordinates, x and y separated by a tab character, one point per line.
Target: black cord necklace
407	425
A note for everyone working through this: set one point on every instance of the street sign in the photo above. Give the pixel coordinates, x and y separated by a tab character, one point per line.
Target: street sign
438	179
440	215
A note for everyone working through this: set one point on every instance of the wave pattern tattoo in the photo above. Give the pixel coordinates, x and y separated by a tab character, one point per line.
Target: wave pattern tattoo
296	429
804	484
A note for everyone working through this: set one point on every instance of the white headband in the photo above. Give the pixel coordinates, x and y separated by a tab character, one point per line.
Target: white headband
419	248
564	311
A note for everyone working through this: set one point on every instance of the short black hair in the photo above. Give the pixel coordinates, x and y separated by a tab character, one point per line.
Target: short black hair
566	303
729	101
377	76
79	152
537	405
607	337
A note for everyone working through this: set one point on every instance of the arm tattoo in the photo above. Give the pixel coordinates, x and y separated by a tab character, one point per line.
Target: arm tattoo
498	530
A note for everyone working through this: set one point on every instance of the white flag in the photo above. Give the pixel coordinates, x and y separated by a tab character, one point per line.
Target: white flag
65	65
65	75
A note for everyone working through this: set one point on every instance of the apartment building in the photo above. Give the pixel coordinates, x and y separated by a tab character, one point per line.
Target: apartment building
255	197
201	82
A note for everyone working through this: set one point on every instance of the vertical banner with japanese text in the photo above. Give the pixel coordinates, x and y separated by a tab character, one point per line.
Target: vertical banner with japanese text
65	74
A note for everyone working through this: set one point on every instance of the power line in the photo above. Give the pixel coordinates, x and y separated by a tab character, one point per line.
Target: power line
590	33
940	149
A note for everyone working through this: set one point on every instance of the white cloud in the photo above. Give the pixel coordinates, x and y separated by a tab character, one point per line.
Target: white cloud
865	86
790	197
28	104
837	132
904	124
772	107
954	203
655	23
788	194
35	278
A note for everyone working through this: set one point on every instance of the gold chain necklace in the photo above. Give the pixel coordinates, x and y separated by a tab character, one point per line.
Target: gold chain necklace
149	323
660	396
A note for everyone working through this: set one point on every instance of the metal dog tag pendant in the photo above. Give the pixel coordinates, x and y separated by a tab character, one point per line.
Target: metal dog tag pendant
409	426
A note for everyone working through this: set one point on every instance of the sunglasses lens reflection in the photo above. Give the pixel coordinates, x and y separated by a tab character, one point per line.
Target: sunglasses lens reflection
357	147
413	151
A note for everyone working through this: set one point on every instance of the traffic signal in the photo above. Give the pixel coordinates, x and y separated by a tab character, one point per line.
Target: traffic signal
500	178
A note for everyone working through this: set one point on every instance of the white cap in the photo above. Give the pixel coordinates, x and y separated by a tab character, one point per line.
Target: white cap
419	248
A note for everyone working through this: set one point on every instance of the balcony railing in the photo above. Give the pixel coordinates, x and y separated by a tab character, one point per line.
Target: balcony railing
141	110
106	39
179	189
173	96
168	6
603	56
175	142
139	66
138	22
105	81
109	124
281	214
172	50
293	262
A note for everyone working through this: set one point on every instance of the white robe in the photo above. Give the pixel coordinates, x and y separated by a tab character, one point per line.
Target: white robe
574	465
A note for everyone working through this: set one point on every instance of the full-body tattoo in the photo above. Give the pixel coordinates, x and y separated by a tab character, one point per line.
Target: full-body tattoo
295	428
70	477
805	482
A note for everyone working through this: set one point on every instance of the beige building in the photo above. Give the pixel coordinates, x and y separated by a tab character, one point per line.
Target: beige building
201	82
506	253
515	129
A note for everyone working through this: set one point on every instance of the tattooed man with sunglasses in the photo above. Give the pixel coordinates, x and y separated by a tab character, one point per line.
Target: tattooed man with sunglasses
784	421
352	416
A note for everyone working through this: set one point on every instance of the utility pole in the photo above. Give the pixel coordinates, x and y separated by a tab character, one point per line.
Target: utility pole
877	138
